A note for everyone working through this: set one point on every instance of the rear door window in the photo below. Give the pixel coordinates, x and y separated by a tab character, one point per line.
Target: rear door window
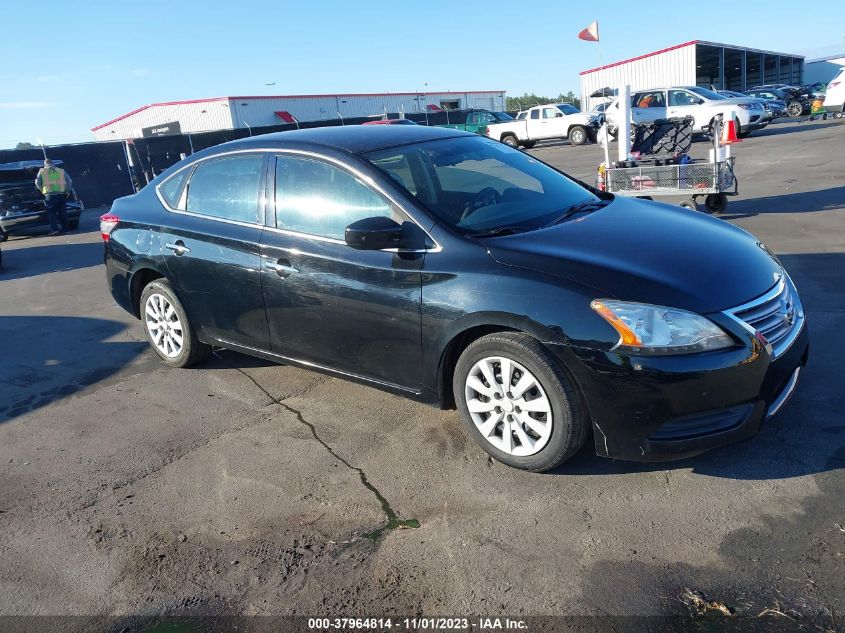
227	188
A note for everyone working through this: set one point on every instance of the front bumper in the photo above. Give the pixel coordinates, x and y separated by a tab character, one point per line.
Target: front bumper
672	407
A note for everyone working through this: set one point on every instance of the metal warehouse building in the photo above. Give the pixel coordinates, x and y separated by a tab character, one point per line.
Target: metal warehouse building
706	64
227	113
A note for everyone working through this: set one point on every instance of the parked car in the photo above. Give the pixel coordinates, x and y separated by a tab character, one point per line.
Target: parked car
834	99
545	122
22	206
390	122
449	268
796	103
600	108
478	121
774	109
699	103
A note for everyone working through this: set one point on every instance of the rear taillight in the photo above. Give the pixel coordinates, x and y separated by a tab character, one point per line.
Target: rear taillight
107	224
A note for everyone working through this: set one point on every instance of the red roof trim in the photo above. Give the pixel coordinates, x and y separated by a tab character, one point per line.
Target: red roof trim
347	94
633	59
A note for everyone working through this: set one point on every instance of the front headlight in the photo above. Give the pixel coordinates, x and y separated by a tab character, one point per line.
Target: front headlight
647	329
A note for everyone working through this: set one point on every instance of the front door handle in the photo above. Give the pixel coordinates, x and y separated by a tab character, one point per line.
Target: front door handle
178	247
281	268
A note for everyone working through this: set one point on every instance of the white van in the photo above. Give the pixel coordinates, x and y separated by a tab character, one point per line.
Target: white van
834	99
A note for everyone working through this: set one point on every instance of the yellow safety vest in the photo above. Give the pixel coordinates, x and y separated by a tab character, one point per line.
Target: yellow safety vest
53	180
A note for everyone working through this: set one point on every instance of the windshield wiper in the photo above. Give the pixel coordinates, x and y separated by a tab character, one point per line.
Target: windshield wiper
579	207
500	230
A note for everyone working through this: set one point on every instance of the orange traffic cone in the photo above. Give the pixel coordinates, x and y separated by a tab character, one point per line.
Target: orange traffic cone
729	133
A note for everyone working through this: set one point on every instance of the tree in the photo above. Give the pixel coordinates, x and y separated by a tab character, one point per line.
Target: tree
24	145
530	100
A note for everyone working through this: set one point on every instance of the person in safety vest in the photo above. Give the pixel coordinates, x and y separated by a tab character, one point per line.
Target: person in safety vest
55	184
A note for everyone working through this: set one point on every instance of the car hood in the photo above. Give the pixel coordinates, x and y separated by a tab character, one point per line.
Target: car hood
735	101
635	250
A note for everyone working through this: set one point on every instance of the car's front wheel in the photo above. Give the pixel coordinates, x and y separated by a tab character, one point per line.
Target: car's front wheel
168	329
795	109
518	403
578	135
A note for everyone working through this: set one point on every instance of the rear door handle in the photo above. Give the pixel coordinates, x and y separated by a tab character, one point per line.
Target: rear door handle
178	247
281	269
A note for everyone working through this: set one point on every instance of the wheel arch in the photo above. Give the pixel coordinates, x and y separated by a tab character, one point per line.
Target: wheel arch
467	330
141	276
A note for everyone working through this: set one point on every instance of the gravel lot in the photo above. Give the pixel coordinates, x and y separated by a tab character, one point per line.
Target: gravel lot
245	487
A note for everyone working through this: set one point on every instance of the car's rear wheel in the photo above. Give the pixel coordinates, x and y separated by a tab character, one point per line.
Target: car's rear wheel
168	328
795	109
578	135
518	403
510	140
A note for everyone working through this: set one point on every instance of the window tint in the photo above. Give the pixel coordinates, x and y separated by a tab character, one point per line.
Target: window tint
650	100
535	114
320	199
171	189
227	188
682	98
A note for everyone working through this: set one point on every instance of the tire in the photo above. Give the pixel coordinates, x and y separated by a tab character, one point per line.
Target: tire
157	299
73	224
510	140
529	144
578	135
716	203
558	428
794	108
689	204
837	115
3	235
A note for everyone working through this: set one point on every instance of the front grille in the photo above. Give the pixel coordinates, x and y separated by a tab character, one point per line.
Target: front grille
777	315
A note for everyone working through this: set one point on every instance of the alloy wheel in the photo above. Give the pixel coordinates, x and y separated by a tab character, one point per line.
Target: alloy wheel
508	406
163	325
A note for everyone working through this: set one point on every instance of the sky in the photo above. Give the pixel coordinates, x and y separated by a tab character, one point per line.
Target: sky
91	61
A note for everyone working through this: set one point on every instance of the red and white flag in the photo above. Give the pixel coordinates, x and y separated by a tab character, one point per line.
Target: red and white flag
591	33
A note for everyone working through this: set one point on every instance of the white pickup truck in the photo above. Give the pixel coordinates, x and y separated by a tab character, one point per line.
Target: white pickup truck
544	122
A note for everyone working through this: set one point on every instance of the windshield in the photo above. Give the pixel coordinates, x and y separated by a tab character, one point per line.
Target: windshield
707	94
502	116
476	185
568	109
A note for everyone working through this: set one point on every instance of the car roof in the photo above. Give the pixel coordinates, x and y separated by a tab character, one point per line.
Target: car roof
356	139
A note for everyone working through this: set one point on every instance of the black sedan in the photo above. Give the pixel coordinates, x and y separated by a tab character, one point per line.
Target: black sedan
452	269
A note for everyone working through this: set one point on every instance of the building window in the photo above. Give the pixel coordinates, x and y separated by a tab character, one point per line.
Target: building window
770	69
753	70
734	60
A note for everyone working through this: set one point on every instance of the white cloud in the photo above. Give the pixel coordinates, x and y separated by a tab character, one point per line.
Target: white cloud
23	105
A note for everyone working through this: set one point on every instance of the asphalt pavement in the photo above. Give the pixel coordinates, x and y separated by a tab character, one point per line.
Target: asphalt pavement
244	487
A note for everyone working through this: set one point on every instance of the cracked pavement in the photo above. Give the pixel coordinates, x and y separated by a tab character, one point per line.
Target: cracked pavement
245	487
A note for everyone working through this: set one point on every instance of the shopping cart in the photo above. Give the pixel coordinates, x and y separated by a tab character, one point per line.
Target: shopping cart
713	180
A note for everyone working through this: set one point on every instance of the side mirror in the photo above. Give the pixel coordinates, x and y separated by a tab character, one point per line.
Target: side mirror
373	234
559	114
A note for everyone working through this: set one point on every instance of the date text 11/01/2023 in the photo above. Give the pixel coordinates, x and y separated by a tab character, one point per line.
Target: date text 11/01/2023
416	624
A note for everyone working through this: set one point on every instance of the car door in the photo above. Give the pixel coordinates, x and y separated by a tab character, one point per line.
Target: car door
554	123
648	106
354	311
211	247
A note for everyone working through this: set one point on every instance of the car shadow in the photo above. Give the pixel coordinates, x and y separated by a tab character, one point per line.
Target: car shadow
48	358
31	261
799	202
804	126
